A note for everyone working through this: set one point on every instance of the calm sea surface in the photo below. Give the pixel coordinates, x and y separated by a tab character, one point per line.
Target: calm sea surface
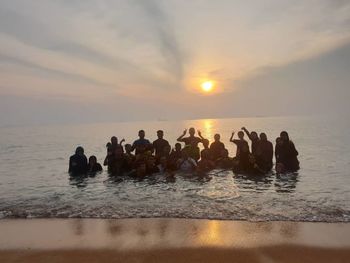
34	181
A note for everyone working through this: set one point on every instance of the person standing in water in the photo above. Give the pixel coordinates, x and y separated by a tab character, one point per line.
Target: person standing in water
192	141
253	137
240	143
141	144
266	152
160	145
78	162
288	155
93	166
216	148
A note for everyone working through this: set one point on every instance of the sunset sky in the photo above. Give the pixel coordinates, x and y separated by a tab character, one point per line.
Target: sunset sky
84	60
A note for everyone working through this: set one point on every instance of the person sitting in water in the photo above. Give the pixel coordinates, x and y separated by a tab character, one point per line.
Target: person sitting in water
186	164
78	162
241	163
277	149
239	143
253	167
141	144
224	161
117	163
206	164
129	157
160	144
216	147
94	166
192	142
206	151
114	143
253	137
288	154
266	153
175	155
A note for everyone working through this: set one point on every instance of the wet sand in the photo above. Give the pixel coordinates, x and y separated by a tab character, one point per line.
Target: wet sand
171	240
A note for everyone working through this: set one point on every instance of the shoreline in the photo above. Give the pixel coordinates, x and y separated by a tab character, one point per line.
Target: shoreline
171	240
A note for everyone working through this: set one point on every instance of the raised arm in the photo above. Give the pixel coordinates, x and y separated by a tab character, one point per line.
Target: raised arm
181	137
200	135
233	134
121	142
247	132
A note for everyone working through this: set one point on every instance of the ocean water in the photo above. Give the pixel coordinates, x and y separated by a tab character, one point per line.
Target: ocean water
34	181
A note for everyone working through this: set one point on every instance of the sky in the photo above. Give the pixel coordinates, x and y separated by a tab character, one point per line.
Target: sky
123	60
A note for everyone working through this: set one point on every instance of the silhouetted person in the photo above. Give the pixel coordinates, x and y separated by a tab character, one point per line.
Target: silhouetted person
288	154
239	143
216	147
151	166
78	162
94	166
278	146
253	168
224	161
266	153
186	163
253	137
192	142
206	164
241	163
175	155
160	144
129	157
141	144
206	153
117	162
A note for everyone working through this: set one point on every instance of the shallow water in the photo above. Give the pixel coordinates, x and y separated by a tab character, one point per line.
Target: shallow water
34	180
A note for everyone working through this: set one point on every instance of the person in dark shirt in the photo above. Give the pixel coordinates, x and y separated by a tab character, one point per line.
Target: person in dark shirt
191	142
93	166
175	155
78	162
141	144
253	137
288	153
160	144
117	162
239	143
216	147
277	149
206	151
266	153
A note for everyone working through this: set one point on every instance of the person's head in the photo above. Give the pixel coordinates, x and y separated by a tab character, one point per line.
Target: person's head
166	150
92	160
141	134
240	135
79	150
224	153
254	135
109	145
128	148
263	137
217	137
114	140
191	131
205	143
279	141
160	134
284	136
177	146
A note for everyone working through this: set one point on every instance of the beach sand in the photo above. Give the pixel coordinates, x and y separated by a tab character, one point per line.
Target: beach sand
171	240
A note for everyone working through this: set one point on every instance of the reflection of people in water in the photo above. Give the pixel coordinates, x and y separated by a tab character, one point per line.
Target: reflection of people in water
216	147
287	154
94	166
78	162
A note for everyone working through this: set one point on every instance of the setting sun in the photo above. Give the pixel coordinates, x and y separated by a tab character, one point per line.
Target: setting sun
207	86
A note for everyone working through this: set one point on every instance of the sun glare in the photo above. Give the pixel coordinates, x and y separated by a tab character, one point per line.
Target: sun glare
207	86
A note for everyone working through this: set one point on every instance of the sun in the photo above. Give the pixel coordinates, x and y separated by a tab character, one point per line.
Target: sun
207	86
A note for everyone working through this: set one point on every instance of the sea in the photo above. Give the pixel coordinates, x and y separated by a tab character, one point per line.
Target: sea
34	182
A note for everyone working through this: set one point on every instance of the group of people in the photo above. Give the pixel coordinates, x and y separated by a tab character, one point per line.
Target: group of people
144	158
